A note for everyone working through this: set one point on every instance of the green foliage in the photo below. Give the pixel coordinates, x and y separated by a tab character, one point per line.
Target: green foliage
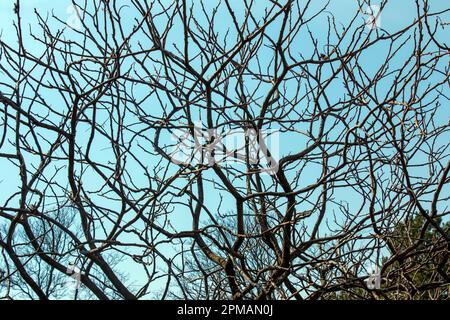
419	267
